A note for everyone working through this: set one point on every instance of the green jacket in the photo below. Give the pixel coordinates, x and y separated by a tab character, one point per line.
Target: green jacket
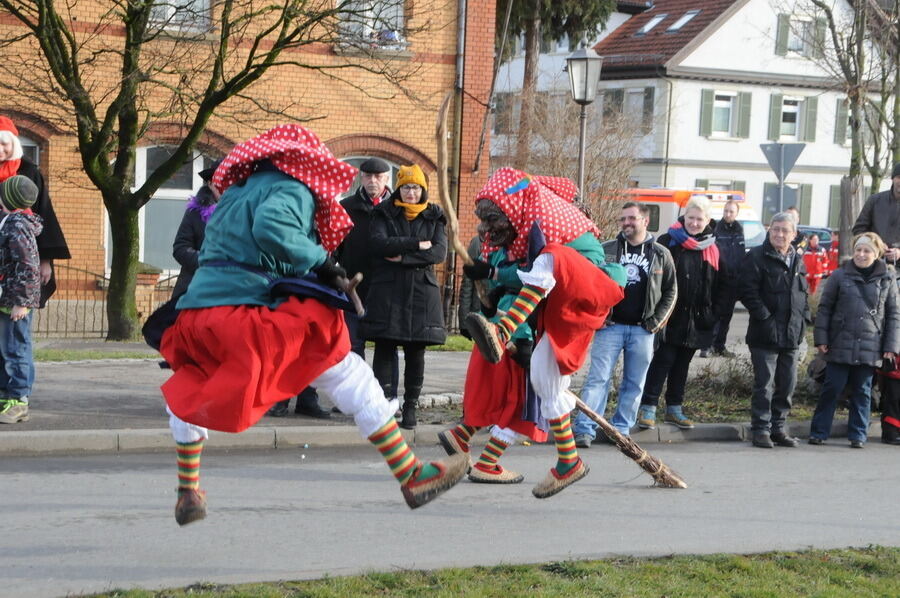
266	223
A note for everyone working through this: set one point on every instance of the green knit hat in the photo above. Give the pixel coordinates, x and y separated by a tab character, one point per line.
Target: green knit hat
18	193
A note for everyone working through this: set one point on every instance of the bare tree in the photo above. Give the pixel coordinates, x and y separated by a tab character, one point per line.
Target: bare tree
610	151
107	78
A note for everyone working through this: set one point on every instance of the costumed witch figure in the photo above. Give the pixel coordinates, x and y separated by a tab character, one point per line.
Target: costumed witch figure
529	223
236	348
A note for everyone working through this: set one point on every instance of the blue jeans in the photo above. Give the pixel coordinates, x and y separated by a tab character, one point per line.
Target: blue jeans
17	373
637	344
858	378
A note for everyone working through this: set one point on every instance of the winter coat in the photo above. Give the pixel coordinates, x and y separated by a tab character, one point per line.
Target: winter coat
189	238
775	295
403	302
355	254
662	288
20	266
696	307
854	335
880	214
731	244
51	242
266	223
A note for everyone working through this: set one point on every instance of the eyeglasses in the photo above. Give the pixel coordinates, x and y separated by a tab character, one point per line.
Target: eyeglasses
410	188
780	231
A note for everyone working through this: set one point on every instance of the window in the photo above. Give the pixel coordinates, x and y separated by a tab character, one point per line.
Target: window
184	15
725	114
792	118
30	150
160	218
377	24
357	160
613	99
796	36
685	18
799	37
651	24
507	108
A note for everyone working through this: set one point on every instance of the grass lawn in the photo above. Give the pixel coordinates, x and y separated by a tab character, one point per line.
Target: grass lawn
860	573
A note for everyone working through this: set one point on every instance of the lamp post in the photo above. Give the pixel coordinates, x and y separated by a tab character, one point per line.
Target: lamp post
584	73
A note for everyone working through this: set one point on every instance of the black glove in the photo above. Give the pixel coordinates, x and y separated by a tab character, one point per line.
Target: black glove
330	274
489	311
522	356
479	270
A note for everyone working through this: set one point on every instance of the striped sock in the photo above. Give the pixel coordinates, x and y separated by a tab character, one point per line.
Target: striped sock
464	434
526	302
188	457
493	450
567	454
400	458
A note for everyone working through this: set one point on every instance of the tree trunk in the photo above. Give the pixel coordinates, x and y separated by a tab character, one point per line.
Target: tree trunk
121	310
529	84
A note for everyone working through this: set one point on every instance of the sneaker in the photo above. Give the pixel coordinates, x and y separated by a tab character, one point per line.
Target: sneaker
14	411
191	506
583	441
646	420
816	441
679	420
857	444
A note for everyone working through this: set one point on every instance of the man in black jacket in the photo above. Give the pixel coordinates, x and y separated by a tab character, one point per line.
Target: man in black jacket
881	214
774	290
730	241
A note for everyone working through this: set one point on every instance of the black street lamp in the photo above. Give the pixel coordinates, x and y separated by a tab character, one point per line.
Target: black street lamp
584	73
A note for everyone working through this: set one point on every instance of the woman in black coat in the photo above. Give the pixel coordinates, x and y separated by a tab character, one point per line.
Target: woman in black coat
697	271
192	230
403	305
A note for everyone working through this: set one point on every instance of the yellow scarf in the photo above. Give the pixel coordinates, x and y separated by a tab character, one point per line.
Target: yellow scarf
412	209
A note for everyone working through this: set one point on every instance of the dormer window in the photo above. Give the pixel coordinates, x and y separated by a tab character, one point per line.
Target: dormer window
651	24
684	20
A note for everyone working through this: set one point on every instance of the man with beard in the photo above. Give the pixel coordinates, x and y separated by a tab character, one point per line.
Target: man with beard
560	260
649	299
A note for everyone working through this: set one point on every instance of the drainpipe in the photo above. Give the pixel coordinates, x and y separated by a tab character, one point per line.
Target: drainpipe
665	181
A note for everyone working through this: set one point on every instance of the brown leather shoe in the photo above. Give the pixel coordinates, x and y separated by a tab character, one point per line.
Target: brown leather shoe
555	483
452	469
191	506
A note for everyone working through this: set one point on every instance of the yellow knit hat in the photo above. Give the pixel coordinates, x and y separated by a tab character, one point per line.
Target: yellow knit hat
411	175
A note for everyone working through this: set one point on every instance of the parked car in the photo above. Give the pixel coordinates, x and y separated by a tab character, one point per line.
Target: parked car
825	236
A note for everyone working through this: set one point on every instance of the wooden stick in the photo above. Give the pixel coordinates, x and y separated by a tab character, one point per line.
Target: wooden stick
660	472
444	195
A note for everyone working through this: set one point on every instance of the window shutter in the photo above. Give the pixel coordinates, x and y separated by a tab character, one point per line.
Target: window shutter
805	203
701	183
744	99
840	122
781	35
810	107
775	106
834	206
739	186
647	117
706	112
818	50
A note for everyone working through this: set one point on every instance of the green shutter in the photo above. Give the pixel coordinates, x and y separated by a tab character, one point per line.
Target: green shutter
781	34
810	107
738	185
701	183
840	122
818	50
775	105
706	112
744	99
834	207
647	117
805	203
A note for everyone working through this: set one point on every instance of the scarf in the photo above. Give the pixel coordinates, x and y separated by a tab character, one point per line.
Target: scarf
527	200
206	209
411	210
704	243
297	152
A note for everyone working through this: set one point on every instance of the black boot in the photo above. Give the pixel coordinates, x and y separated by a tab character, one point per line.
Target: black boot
408	419
279	409
308	404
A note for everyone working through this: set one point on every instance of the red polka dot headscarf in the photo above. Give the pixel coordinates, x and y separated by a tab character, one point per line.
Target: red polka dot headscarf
526	199
297	152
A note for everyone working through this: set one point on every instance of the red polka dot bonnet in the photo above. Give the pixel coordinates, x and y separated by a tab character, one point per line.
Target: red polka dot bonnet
526	199
297	152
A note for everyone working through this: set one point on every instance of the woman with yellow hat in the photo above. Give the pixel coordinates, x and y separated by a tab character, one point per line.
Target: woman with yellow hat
403	305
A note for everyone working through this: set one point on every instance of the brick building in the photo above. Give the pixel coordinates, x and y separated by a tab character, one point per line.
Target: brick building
448	41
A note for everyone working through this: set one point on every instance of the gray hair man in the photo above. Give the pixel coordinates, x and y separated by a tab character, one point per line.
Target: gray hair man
775	291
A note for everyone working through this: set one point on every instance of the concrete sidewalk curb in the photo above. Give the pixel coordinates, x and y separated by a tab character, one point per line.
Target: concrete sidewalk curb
275	437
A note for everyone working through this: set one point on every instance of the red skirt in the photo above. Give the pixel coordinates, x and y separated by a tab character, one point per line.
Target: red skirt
232	363
495	394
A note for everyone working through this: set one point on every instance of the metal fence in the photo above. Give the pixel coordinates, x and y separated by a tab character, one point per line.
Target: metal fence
78	308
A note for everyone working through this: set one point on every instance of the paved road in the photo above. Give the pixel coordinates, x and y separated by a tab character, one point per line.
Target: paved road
81	524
